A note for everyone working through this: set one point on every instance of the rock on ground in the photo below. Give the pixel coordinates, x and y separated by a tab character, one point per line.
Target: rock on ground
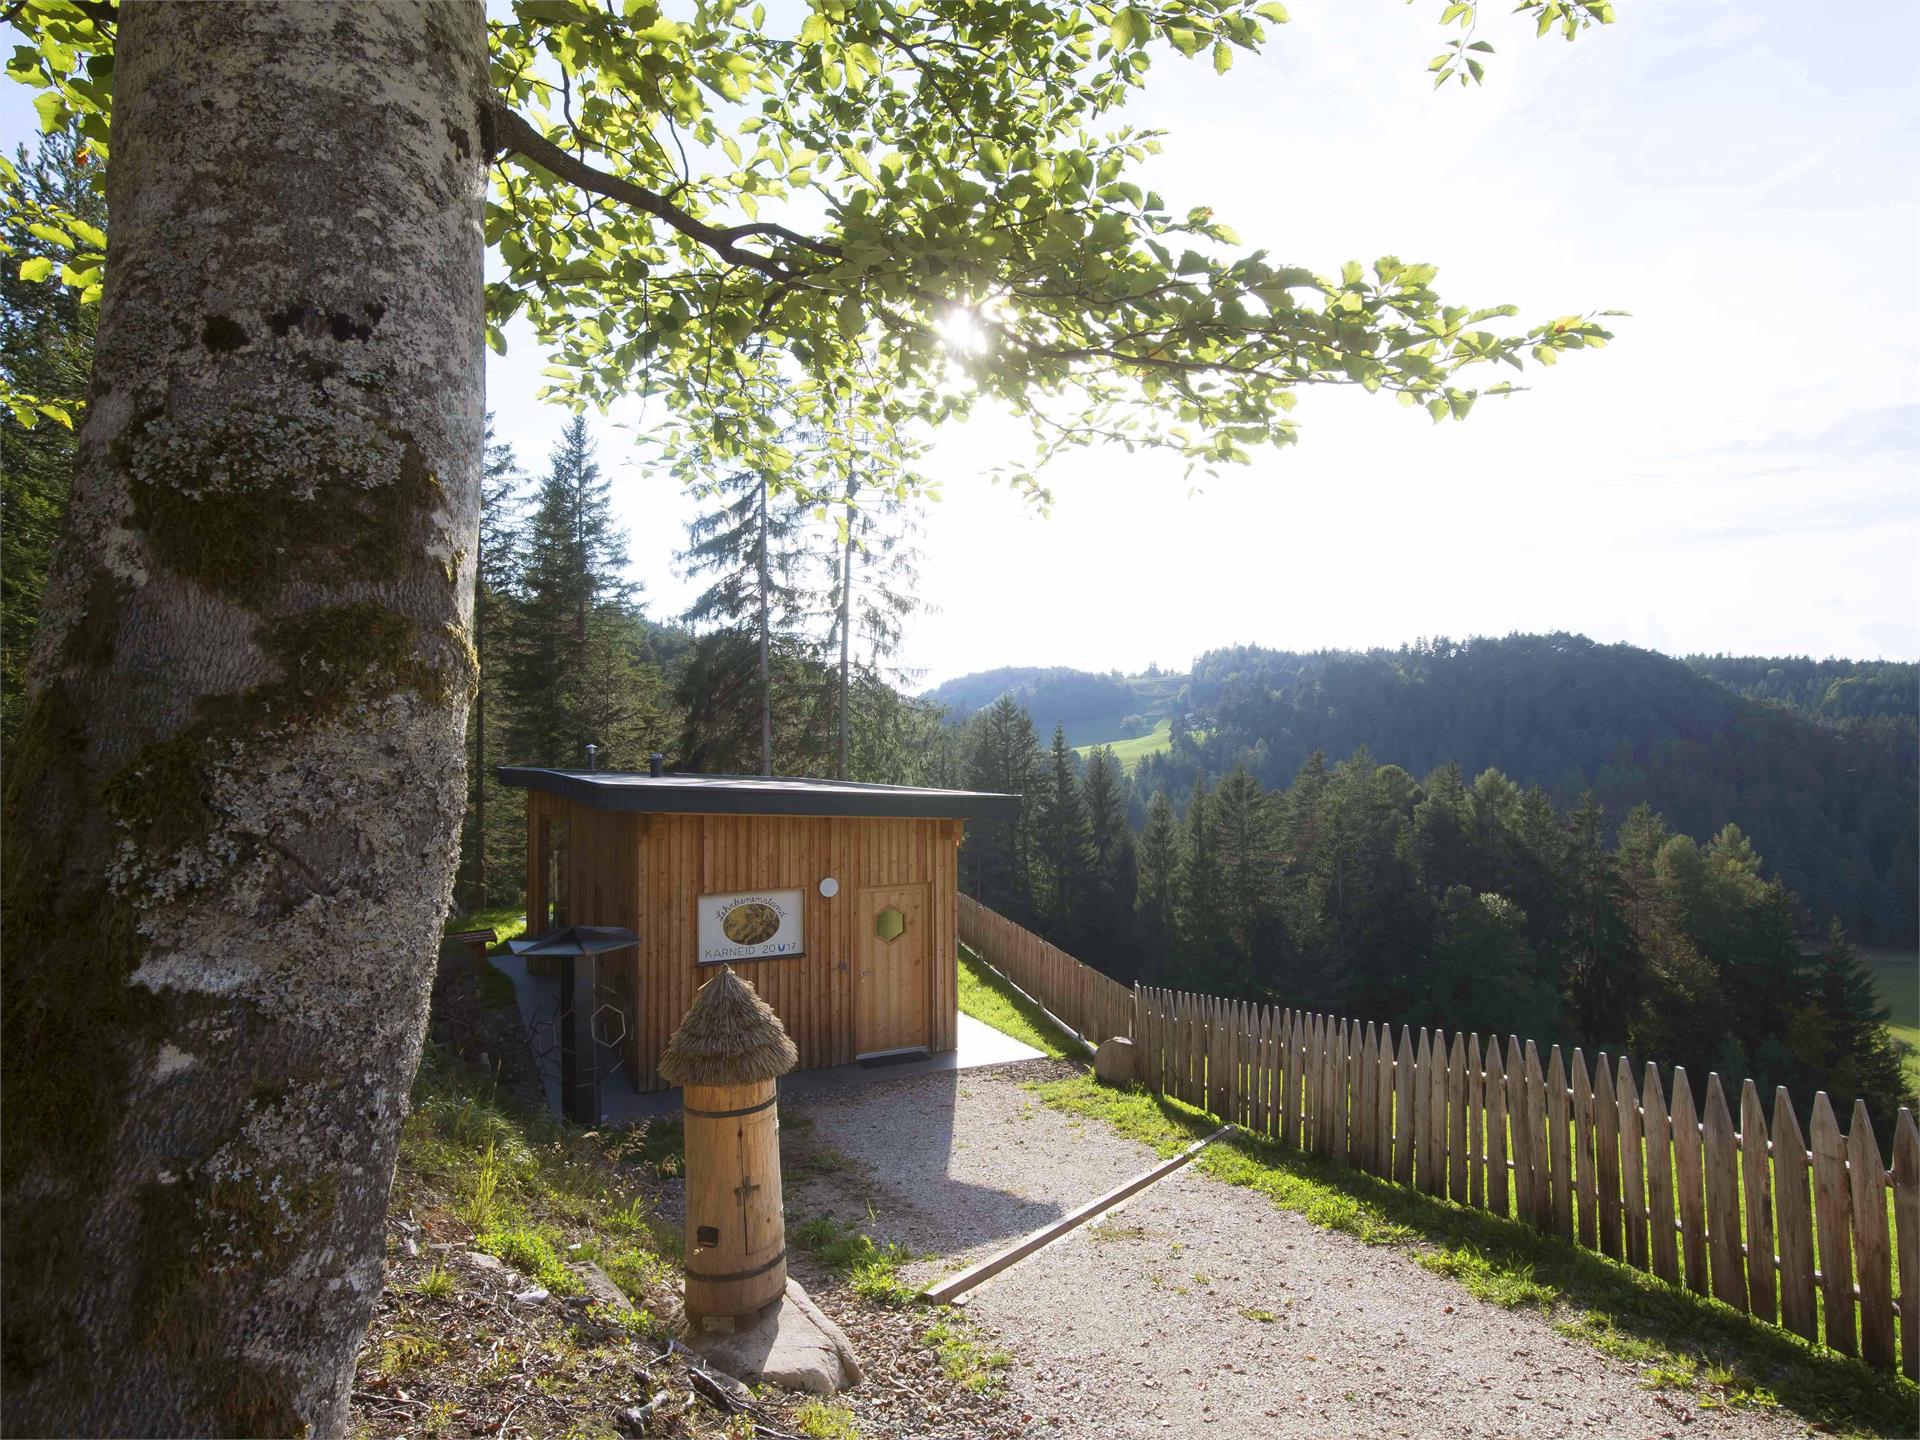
789	1344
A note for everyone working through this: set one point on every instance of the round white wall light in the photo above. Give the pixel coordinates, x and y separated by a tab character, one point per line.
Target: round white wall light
829	887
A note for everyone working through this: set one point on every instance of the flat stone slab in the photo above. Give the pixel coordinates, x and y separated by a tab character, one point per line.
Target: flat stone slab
790	1344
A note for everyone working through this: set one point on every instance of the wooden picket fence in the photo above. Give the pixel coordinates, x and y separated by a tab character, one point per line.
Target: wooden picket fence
1748	1214
1824	1241
1079	995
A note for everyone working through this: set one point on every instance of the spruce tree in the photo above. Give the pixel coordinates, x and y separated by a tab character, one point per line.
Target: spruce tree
1003	756
1107	901
1157	896
874	568
1246	852
1444	845
1061	840
1199	927
575	671
748	549
1604	972
1860	1057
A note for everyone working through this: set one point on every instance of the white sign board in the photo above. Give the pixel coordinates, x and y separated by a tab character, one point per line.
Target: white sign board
764	925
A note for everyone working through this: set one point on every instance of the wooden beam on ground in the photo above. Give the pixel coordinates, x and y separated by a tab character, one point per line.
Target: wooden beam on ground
955	1285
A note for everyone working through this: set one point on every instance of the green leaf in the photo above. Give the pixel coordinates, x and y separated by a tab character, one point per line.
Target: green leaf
817	29
37	268
1222	57
1273	11
1130	27
852	320
51	109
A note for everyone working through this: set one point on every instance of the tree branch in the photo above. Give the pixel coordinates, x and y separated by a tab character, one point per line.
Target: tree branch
512	134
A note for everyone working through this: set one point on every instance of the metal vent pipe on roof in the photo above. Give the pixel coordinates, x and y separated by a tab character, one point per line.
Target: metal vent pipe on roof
593	752
656	764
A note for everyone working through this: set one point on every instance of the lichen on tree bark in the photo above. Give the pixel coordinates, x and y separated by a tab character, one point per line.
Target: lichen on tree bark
231	817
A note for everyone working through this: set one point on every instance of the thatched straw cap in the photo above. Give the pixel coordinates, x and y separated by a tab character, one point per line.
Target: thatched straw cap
730	1037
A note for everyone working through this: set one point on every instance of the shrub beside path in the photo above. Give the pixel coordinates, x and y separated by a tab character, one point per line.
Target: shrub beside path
1199	1303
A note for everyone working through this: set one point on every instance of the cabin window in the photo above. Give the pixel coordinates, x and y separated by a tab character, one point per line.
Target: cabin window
890	924
553	868
706	1235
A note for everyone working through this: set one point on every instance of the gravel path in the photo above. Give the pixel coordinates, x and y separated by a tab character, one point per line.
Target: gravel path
1198	1303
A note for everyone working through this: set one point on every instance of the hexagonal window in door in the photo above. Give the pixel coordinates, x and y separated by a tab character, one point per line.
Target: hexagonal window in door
890	924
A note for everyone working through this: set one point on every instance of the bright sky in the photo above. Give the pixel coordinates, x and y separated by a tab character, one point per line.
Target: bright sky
1739	471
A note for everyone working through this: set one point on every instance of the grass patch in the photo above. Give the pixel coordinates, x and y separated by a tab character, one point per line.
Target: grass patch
1682	1341
965	1360
436	1284
660	1146
403	1354
825	1420
530	1251
871	1268
529	1190
1130	752
988	998
508	922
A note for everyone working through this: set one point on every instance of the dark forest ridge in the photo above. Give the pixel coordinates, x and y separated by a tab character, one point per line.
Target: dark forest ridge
1828	689
1814	759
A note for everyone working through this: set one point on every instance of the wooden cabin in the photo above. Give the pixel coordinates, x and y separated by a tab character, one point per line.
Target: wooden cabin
834	899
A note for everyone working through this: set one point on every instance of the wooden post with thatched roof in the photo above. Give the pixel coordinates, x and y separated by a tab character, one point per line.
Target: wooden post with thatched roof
726	1057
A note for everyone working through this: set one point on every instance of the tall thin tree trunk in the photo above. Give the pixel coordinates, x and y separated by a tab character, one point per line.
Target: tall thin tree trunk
232	814
766	638
479	731
846	627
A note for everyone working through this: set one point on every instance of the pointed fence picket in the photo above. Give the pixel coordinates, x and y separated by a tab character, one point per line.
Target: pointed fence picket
1606	1162
1498	1164
1795	1233
1756	1172
1559	1151
1723	1199
1633	1196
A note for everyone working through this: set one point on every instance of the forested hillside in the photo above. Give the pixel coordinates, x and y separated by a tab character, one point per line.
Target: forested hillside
1830	799
1834	690
1057	694
1472	902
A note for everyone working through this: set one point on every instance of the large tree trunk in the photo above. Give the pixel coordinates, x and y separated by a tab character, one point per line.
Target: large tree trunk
232	813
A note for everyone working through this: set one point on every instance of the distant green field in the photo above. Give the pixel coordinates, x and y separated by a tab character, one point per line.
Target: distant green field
1083	735
1897	973
1130	753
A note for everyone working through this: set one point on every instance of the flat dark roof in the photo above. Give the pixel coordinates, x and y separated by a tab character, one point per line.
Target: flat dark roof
757	795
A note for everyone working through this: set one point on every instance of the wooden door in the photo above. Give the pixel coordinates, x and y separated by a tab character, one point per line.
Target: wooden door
890	958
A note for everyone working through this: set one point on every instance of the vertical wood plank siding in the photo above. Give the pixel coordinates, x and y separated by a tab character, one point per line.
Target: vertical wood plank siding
1580	1152
648	872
